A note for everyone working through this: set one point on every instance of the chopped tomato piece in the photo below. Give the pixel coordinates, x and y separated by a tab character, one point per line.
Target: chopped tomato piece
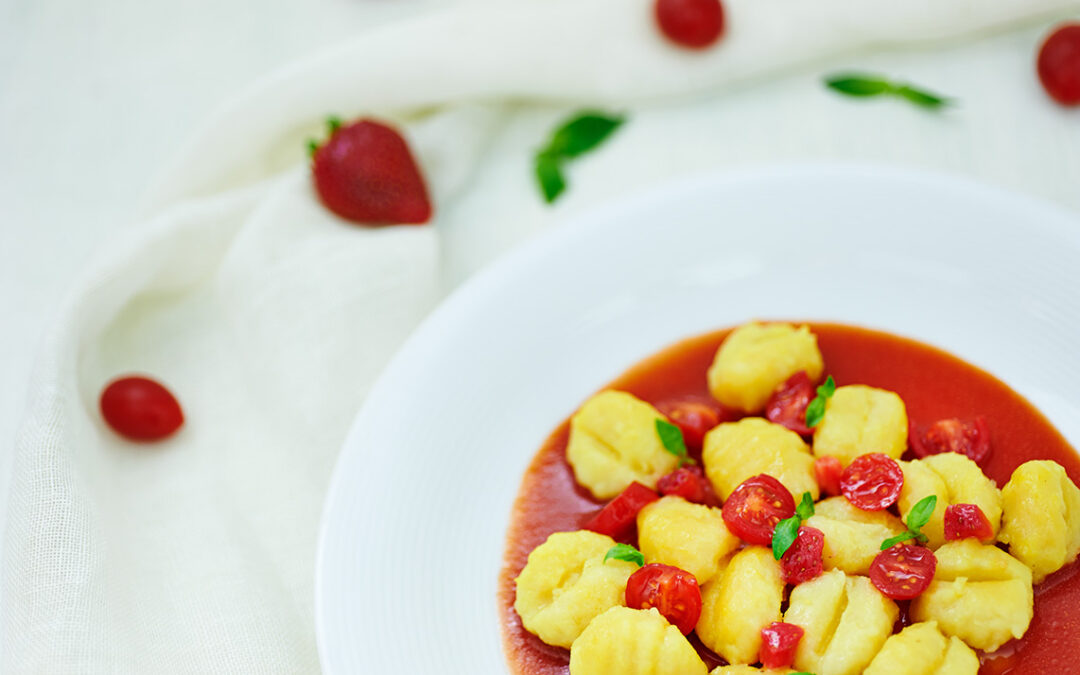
672	591
967	520
872	482
787	405
828	471
778	643
694	419
140	409
803	561
694	24
752	511
953	435
689	483
620	514
904	571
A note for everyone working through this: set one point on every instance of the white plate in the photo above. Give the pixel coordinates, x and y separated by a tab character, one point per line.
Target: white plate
412	536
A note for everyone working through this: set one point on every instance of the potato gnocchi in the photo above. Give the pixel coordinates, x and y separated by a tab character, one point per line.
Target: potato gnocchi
860	419
689	536
741	601
921	649
1041	509
633	642
852	536
736	451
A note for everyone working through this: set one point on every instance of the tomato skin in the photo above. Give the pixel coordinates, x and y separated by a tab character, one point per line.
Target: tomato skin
689	483
619	515
872	482
779	641
140	409
953	435
828	471
694	24
804	560
967	520
754	508
1058	64
672	591
365	173
904	571
787	405
694	419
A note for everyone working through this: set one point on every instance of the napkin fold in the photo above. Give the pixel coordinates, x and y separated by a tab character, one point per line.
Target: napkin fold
270	318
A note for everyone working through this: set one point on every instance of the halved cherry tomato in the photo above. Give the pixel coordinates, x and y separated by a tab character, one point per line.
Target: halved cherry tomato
140	409
872	482
694	419
787	405
672	591
1059	64
953	435
778	643
689	483
620	514
967	520
803	560
904	571
754	508
828	471
691	23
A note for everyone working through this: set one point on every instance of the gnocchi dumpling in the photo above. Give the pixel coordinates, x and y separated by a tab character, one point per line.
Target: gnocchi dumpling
920	481
743	669
1041	517
756	358
735	451
967	484
566	583
921	649
613	442
692	537
633	642
852	536
979	594
740	601
845	619
860	419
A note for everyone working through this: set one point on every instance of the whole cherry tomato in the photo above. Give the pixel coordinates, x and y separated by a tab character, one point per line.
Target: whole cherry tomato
693	418
778	643
904	571
754	508
672	591
618	517
1059	64
872	482
366	174
695	24
689	483
787	405
953	435
140	409
967	520
803	561
828	471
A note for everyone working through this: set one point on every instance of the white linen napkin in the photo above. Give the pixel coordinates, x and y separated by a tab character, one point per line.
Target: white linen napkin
270	318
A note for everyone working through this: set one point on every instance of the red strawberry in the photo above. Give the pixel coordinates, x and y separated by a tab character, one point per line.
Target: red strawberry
365	173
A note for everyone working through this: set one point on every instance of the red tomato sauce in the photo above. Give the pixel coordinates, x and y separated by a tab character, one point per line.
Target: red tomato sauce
933	384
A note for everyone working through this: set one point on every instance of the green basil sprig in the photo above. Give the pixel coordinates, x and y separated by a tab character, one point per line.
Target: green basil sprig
787	530
672	439
625	552
864	85
917	518
816	410
578	135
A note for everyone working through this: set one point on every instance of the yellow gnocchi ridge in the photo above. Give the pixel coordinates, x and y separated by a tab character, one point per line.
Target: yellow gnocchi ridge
845	619
735	451
852	536
920	481
959	659
979	594
919	649
967	484
757	358
633	642
566	584
692	537
613	442
1041	517
742	669
860	420
740	601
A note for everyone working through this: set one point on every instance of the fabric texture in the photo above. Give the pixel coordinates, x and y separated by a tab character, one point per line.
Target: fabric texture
270	318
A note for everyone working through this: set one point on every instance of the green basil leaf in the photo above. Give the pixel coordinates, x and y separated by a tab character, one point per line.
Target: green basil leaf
893	541
827	388
921	97
805	509
333	123
784	536
859	85
625	552
312	147
549	176
920	513
672	438
583	133
814	412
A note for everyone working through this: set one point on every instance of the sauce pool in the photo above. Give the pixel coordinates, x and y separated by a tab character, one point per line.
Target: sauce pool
933	384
